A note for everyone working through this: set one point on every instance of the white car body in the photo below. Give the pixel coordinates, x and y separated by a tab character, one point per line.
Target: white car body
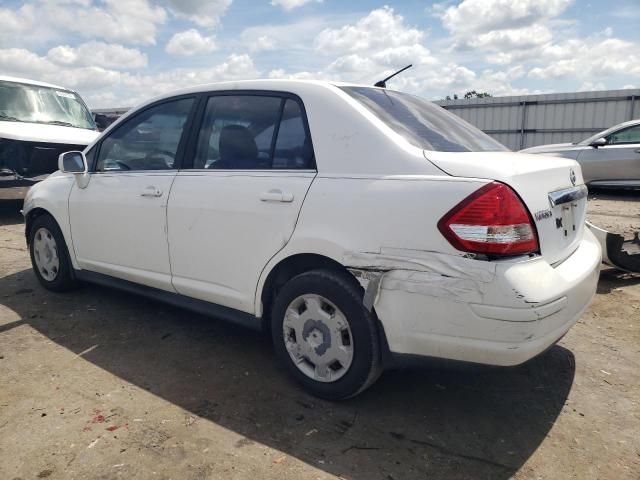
372	207
41	136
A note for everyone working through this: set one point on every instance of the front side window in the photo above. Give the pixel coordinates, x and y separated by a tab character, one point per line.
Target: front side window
628	135
148	140
422	123
248	132
21	102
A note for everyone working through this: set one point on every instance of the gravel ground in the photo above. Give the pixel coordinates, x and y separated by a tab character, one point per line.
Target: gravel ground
101	384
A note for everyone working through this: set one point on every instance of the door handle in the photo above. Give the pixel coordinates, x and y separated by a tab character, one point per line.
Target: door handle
151	191
637	150
276	195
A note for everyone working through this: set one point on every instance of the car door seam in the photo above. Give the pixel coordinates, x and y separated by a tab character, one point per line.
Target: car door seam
295	225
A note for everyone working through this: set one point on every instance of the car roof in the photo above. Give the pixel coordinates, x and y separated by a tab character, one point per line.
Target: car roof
27	81
287	85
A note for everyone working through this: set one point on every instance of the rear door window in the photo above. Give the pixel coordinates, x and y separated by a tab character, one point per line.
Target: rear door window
293	146
253	132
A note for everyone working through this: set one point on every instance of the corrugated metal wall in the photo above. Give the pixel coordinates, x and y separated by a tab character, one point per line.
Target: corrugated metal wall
529	120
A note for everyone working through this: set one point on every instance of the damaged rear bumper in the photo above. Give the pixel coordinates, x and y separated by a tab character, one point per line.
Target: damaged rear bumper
495	313
616	251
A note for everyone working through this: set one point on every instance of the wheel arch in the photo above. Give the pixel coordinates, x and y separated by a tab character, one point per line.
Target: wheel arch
288	267
31	216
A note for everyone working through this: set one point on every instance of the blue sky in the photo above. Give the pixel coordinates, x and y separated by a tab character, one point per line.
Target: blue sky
120	52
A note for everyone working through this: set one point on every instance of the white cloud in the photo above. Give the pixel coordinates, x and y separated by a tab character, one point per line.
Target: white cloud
190	42
589	59
296	36
98	54
128	21
291	4
481	16
379	29
205	13
261	44
103	87
122	21
511	39
22	62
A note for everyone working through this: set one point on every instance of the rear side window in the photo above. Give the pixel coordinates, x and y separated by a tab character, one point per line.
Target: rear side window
422	123
148	140
248	132
293	146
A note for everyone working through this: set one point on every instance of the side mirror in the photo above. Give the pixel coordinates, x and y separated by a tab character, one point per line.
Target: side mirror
600	142
72	162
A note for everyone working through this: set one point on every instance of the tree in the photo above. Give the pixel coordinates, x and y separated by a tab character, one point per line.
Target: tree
469	94
474	94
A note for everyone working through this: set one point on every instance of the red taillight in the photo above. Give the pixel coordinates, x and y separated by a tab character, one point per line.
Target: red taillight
493	221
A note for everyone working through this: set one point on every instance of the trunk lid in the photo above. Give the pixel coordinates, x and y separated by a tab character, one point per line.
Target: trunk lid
557	204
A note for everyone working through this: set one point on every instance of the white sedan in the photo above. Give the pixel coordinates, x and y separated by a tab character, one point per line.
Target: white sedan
359	225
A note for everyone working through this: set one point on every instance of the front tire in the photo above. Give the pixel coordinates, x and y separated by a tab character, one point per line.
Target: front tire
49	255
325	337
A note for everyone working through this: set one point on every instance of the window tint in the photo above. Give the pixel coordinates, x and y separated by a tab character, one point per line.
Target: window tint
423	123
628	135
293	146
237	132
147	141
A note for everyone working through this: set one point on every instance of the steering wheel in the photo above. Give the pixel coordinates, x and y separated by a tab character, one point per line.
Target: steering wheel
159	153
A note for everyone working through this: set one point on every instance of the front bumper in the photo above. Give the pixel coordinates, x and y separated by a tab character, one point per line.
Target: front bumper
505	317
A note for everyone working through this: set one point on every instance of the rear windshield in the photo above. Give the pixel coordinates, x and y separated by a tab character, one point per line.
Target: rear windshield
422	123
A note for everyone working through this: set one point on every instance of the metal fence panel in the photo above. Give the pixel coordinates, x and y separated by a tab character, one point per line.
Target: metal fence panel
529	120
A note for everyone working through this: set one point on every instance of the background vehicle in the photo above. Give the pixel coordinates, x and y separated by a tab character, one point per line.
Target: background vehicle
38	121
610	158
358	225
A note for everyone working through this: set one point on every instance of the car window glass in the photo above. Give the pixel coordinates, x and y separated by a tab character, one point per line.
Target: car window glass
628	135
423	123
237	132
147	141
293	146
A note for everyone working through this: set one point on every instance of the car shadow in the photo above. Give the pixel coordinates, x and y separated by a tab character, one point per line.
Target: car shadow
413	423
626	194
10	212
612	278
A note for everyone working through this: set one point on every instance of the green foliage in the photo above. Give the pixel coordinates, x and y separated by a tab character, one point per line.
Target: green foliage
469	94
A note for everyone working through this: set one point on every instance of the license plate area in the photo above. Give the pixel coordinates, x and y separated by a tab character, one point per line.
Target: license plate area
564	204
565	221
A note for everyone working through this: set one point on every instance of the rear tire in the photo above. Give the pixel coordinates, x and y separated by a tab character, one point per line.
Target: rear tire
324	336
49	255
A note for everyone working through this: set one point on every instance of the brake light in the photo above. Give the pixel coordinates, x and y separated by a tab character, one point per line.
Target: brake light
492	221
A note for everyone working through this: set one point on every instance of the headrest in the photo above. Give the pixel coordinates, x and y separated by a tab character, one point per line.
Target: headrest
237	145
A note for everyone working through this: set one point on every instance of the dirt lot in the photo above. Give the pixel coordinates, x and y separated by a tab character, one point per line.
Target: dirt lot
101	384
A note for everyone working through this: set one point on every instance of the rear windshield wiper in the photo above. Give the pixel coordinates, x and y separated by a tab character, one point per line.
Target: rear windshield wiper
9	118
59	122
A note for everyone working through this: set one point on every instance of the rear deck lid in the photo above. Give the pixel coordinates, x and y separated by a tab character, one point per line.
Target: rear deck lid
552	189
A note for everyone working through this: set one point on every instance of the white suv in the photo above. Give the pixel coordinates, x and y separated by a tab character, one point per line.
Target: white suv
359	225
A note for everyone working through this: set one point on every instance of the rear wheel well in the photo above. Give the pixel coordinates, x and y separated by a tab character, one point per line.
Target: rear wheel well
289	268
30	218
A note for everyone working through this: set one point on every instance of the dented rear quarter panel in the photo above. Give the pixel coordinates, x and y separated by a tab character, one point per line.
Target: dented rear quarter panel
357	221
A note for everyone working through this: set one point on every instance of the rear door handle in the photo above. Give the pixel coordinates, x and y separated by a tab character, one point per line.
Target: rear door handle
151	191
637	150
276	195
